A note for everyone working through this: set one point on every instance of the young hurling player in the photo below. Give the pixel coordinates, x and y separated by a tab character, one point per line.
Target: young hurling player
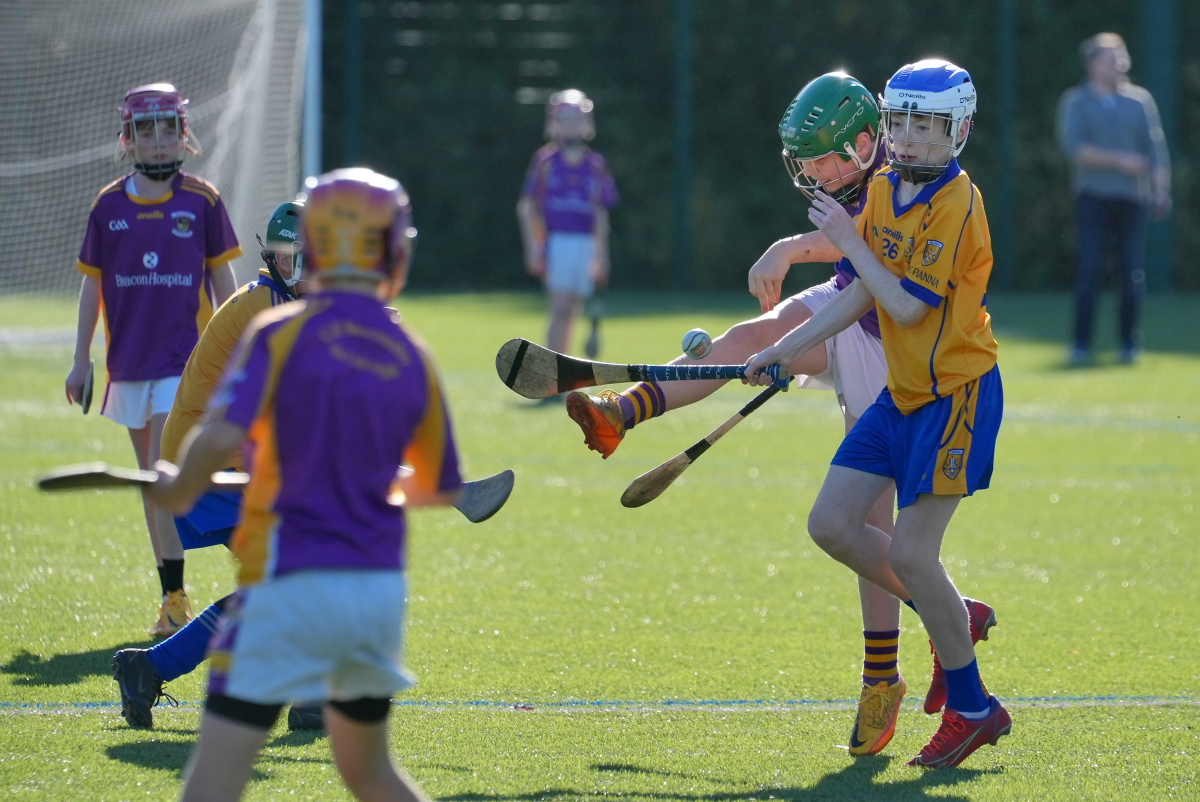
158	243
140	673
331	395
563	213
830	134
923	253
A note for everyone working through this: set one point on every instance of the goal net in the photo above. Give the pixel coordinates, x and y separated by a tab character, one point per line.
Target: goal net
65	66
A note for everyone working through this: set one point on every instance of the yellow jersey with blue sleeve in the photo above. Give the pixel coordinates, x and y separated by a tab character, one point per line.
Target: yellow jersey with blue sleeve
211	356
940	246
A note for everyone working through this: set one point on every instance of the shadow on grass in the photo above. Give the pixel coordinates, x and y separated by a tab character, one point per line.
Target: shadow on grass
154	754
62	669
855	781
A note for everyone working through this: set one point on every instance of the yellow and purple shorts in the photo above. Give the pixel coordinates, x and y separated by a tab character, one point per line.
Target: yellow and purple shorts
945	448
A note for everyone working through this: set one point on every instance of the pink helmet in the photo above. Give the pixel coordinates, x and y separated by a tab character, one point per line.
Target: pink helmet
156	103
569	100
357	223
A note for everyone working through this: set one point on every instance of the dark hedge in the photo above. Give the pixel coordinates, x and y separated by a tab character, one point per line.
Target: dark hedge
439	111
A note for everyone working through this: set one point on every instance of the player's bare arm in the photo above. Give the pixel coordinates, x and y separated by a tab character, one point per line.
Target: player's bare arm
767	275
838	315
206	450
224	283
533	235
601	266
89	315
906	309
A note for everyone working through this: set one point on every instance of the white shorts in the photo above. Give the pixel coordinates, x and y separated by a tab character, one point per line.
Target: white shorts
132	404
333	635
569	260
857	369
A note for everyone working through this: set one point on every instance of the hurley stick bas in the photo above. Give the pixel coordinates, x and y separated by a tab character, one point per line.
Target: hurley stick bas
651	485
537	372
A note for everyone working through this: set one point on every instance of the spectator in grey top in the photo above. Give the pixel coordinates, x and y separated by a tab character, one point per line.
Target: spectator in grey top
1110	131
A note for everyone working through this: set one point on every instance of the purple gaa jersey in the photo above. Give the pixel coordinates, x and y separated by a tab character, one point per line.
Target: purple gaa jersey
334	395
152	259
567	195
843	270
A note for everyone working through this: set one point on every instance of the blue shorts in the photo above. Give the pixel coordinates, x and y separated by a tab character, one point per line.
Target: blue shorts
945	448
212	521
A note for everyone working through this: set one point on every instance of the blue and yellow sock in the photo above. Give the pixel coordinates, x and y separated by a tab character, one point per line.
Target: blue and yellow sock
881	663
964	691
184	651
641	402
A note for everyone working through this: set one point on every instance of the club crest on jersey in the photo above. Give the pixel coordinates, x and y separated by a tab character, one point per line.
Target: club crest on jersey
952	467
183	223
933	249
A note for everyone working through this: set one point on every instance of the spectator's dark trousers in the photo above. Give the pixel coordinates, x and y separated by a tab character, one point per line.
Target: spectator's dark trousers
1123	223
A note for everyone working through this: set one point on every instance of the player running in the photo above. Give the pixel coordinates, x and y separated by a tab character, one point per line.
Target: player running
830	135
158	245
141	673
922	252
331	395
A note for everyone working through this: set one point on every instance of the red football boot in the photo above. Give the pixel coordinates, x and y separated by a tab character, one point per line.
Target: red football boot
982	618
958	737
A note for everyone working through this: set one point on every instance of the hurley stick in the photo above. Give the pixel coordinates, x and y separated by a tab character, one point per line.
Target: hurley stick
651	485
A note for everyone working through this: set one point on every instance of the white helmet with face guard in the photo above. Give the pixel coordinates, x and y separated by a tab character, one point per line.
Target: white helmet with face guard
927	111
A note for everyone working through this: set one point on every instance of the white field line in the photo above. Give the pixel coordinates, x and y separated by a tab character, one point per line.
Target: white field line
697	706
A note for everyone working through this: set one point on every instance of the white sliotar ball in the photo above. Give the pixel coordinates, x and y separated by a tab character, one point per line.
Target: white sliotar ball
697	344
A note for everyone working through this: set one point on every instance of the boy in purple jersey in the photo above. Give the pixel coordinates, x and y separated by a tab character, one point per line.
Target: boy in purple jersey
156	259
563	212
331	395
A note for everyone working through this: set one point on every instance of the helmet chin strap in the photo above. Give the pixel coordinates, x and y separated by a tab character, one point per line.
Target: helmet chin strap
853	154
269	258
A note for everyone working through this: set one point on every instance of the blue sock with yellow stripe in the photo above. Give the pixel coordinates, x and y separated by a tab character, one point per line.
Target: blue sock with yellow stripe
882	663
184	651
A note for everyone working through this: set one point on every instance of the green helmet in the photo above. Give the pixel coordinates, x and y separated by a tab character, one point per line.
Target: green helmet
283	235
825	117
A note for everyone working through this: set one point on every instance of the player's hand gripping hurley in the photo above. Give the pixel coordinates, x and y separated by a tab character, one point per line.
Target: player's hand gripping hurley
480	499
536	372
651	485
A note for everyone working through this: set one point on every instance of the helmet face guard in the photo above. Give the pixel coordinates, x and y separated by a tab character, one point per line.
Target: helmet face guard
820	131
283	237
927	117
155	117
845	184
920	145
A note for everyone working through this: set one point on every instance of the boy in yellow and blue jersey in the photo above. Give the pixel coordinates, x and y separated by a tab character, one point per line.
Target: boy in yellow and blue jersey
923	253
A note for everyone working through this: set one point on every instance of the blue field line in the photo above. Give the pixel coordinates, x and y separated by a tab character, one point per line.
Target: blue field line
667	704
